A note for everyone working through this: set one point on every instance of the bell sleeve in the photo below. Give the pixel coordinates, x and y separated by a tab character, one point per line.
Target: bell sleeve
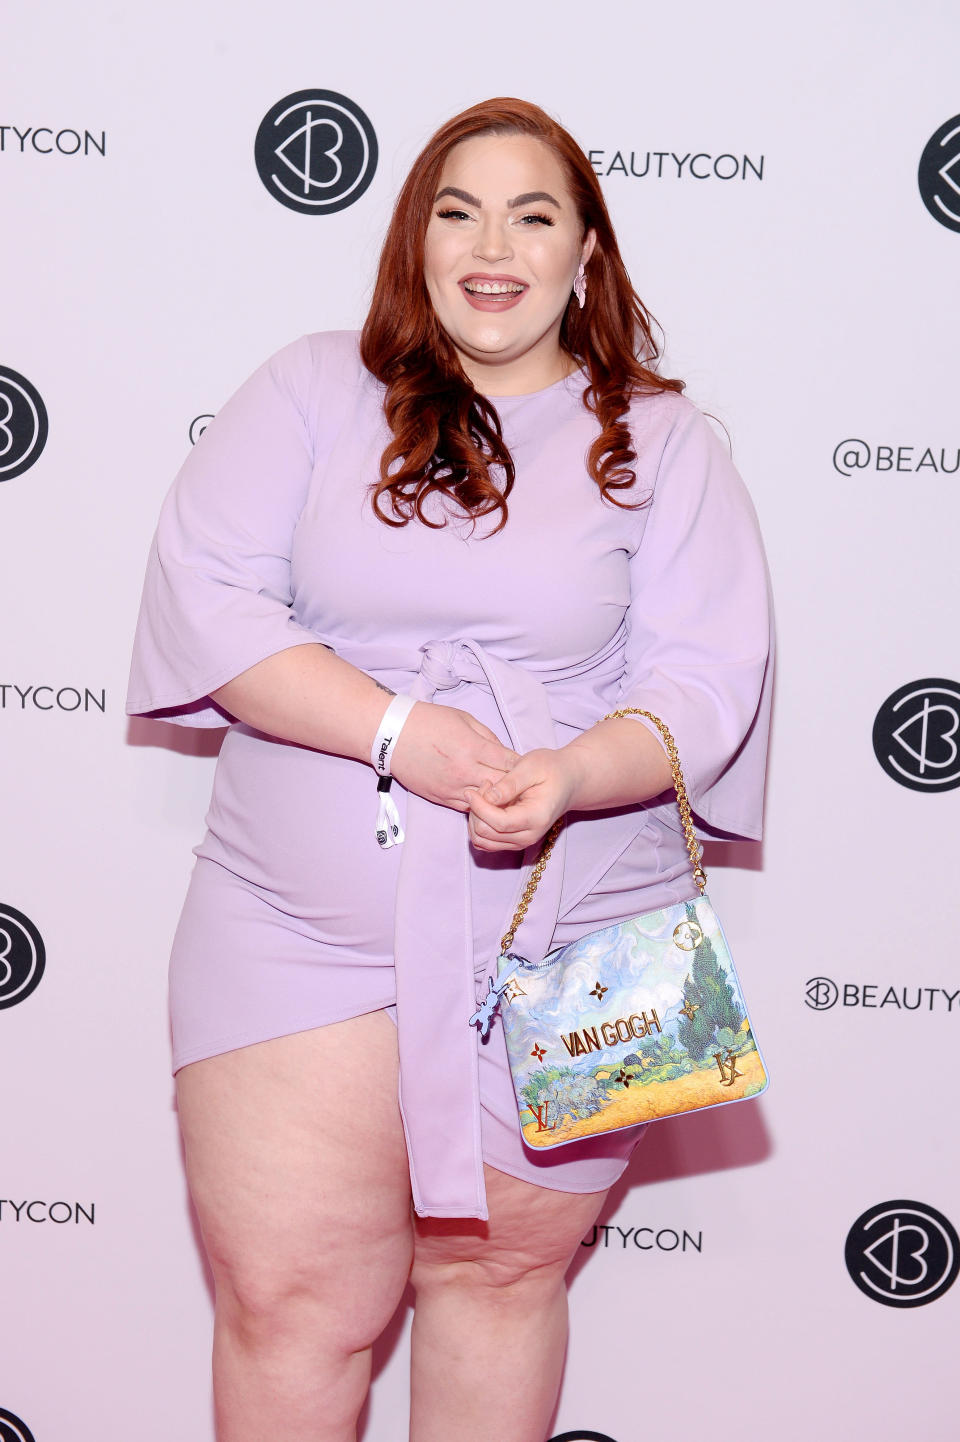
700	629
217	594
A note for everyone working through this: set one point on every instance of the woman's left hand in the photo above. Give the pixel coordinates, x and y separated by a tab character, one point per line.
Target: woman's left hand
519	809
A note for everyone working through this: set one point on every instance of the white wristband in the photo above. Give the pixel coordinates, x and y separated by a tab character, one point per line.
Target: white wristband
388	732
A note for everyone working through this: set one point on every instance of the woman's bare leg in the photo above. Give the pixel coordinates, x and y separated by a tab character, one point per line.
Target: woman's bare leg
490	1323
298	1170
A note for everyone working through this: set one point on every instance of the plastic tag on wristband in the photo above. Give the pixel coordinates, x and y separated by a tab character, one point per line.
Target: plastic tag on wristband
389	830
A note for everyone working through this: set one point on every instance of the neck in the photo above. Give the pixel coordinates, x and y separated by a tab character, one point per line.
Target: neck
530	372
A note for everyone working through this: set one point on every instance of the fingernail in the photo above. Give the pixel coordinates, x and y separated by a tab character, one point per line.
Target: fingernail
494	794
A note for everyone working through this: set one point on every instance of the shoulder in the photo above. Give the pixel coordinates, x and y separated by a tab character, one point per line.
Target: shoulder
657	419
322	373
332	354
323	355
684	463
336	351
673	438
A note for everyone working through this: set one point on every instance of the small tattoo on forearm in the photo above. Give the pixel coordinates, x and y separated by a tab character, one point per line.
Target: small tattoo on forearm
380	686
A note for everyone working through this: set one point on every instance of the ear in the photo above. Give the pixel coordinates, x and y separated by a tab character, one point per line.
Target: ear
589	245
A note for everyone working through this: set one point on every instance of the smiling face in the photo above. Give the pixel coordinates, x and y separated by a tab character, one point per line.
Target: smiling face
502	248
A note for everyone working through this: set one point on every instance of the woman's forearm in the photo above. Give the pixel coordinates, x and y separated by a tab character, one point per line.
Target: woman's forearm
312	697
616	763
307	694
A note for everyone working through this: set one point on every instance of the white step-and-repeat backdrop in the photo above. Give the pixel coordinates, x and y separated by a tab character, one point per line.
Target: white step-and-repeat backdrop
786	186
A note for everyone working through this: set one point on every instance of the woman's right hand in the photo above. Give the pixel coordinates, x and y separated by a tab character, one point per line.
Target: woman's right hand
442	752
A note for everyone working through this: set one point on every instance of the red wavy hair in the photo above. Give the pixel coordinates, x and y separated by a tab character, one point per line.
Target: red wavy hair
446	436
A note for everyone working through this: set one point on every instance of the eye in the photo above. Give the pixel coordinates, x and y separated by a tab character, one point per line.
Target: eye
537	219
452	215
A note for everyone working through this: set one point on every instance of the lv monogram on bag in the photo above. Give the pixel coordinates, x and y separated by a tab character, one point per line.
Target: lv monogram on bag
639	1021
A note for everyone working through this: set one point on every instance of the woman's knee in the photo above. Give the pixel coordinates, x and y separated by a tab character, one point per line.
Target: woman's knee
478	1259
339	1297
526	1246
502	1277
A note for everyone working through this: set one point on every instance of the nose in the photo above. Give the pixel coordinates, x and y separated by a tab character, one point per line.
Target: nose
493	241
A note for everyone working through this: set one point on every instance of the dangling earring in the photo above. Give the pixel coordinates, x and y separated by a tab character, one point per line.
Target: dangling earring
580	286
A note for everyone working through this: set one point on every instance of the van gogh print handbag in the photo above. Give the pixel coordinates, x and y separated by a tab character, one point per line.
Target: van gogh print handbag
638	1021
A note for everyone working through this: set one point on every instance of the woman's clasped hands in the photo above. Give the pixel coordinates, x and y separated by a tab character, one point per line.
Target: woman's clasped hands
452	759
518	810
511	801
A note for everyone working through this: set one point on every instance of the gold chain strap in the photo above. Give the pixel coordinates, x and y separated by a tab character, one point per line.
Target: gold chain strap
693	845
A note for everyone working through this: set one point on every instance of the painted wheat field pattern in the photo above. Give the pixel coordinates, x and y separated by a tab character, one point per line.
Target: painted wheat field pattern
637	1022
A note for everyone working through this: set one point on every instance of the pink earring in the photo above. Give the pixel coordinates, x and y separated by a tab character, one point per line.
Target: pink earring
580	286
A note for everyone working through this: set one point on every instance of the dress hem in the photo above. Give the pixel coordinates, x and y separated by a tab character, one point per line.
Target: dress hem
556	1186
242	1039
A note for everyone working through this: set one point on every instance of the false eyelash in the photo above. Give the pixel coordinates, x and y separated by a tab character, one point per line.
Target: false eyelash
532	215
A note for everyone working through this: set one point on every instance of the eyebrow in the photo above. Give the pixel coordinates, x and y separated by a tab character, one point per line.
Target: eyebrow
528	198
532	196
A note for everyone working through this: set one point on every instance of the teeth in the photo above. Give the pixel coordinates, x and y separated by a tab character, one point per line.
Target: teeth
498	287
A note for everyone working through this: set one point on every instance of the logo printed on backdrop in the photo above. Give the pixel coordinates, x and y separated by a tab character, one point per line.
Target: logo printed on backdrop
915	735
197	427
854	454
61	142
38	1212
904	1254
939	174
822	993
645	1239
13	1428
668	165
61	698
316	151
23	424
22	956
581	1436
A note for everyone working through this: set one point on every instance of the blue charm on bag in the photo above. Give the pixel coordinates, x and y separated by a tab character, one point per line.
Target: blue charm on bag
639	1021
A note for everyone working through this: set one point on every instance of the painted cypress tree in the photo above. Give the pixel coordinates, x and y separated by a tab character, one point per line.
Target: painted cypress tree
710	992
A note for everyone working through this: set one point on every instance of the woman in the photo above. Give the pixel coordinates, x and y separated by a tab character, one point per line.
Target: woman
491	505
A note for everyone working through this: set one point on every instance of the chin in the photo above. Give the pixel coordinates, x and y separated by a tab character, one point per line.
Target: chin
485	338
491	357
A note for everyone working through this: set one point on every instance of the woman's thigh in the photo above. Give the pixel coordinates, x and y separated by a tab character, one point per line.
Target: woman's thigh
298	1170
531	1230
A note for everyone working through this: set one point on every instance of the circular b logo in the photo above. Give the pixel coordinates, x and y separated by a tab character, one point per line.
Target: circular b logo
22	959
23	424
316	151
915	735
197	427
12	1429
939	174
582	1437
822	993
904	1254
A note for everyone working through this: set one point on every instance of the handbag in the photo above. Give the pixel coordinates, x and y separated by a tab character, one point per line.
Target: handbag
629	1024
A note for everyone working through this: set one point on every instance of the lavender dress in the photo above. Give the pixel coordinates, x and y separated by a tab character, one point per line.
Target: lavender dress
294	916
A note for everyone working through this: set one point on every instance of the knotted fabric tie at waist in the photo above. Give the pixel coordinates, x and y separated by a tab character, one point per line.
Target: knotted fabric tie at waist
433	939
433	947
